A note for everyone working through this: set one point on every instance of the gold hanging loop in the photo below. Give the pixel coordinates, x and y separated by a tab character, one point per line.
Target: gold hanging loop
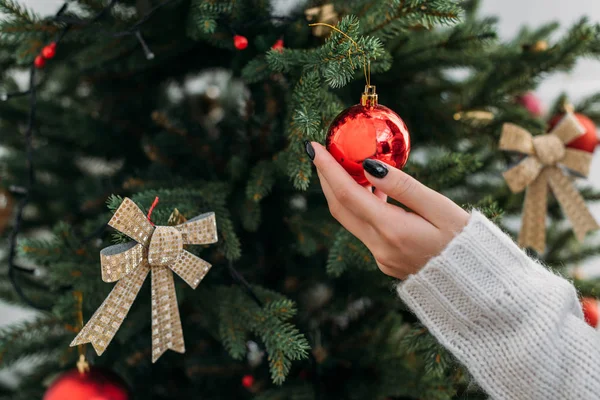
366	63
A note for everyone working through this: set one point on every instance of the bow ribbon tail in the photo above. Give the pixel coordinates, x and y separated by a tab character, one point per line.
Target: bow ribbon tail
533	231
106	321
166	323
572	203
191	269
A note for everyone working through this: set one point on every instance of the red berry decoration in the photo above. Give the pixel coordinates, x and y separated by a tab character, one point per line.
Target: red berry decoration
532	103
49	51
590	310
588	140
368	130
96	384
278	45
247	381
39	61
240	42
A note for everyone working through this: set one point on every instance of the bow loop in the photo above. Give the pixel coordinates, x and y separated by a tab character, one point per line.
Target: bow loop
131	221
517	139
578	161
120	260
199	230
568	128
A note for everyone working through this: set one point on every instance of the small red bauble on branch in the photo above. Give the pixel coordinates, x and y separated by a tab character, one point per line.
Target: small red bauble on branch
39	61
49	51
6	209
590	311
532	103
240	42
96	384
368	130
247	381
278	45
588	140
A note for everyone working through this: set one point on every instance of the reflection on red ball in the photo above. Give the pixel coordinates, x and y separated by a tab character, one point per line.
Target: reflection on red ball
362	132
588	140
97	384
590	310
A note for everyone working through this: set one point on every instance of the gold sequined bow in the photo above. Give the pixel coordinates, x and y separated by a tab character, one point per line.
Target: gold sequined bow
540	170
160	250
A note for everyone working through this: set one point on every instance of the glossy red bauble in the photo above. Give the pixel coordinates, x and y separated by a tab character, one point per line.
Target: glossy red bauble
368	131
278	45
96	384
247	381
588	140
590	310
240	42
39	61
49	51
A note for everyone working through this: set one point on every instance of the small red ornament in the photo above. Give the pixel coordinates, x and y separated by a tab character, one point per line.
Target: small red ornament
39	61
588	140
532	103
368	130
590	311
247	381
96	384
240	42
49	51
278	45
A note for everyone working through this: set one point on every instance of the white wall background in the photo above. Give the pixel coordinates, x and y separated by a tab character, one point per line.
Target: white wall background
513	14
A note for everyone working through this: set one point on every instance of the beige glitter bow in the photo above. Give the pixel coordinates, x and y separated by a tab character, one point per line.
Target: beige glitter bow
160	250
540	170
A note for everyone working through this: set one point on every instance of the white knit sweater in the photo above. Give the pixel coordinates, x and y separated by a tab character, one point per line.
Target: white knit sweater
516	326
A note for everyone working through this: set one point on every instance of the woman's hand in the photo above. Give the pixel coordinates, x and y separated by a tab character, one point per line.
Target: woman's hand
402	242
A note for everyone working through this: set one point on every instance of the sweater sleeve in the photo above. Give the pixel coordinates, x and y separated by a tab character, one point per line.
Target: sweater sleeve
516	326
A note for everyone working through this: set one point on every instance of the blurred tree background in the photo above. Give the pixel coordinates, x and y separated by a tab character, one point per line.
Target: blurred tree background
152	98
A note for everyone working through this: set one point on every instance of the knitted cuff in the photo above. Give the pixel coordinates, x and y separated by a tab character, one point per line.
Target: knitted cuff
515	325
484	282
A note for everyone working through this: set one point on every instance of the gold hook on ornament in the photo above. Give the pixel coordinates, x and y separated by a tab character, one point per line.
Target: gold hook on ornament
366	63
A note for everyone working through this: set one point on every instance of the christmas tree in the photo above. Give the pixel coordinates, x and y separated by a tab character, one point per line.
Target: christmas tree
206	105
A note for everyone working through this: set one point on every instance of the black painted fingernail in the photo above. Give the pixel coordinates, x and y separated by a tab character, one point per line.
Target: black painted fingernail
375	168
309	150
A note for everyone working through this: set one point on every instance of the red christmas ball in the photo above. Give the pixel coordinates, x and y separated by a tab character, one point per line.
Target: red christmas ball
588	140
49	51
96	384
247	381
368	130
39	61
590	310
278	45
532	103
240	42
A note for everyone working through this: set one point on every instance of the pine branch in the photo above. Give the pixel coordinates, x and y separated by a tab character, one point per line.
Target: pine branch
18	12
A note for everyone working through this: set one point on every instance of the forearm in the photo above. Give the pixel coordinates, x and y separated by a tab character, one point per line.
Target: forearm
516	326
